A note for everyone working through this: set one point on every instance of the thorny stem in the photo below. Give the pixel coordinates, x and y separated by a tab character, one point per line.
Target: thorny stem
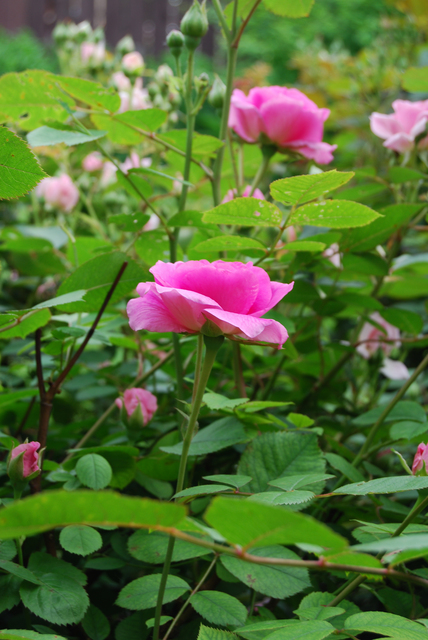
212	346
195	590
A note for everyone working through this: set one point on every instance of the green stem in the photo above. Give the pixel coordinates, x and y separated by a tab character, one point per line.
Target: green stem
195	590
222	20
198	365
212	346
16	496
237	370
261	172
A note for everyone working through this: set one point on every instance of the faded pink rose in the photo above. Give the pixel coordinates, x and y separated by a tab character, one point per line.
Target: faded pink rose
372	338
135	162
419	466
93	162
92	52
133	62
120	81
30	458
59	192
401	128
232	193
332	253
199	296
135	99
285	116
134	398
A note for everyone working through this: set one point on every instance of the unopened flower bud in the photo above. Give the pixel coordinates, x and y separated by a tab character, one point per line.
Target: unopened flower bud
217	93
194	25
137	409
164	74
98	34
61	33
175	42
125	45
419	467
22	464
83	31
133	63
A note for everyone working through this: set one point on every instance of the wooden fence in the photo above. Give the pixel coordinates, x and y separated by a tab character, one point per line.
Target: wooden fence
147	21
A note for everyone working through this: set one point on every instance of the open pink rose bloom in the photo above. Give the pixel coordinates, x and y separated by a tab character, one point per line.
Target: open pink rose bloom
30	458
286	116
134	397
401	128
229	298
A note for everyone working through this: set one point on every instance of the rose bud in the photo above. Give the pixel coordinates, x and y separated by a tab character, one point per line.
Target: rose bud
420	461
22	465
194	25
137	409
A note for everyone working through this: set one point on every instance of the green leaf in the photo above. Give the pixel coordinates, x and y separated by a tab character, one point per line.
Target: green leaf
123	128
407	430
9	593
10	397
399	175
30	98
80	539
403	410
59	508
261	630
129	221
216	401
405	320
300	189
139	187
320	612
228	243
7	549
162	620
290	483
202	147
202	490
61	598
336	214
251	524
219	608
47	136
275	581
206	633
133	627
289	8
278	455
97	276
394	217
20	572
316	600
152	547
246	212
24	634
386	624
345	467
27	323
415	79
94	471
311	630
19	168
234	480
305	245
59	300
92	93
95	624
385	485
279	497
142	593
220	434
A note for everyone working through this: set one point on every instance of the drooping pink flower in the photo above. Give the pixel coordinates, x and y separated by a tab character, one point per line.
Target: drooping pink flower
420	461
134	398
59	192
401	128
93	161
30	458
133	62
226	297
286	116
232	193
372	338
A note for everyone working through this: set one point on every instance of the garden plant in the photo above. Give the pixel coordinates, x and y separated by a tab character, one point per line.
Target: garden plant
213	337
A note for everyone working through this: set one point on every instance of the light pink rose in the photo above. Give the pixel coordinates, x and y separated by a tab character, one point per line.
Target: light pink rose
372	338
93	52
230	296
133	62
134	100
401	128
30	458
232	193
286	116
59	192
394	369
133	162
419	467
120	81
332	253
93	161
139	397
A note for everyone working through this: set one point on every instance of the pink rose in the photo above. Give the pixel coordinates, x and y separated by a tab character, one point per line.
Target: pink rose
286	116
134	162
133	62
232	193
419	467
120	81
401	128
332	253
135	100
134	398
59	192
92	52
226	297
30	458
372	339
93	162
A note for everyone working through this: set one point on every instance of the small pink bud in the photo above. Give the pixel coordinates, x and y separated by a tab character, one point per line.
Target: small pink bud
420	461
93	162
133	62
140	406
